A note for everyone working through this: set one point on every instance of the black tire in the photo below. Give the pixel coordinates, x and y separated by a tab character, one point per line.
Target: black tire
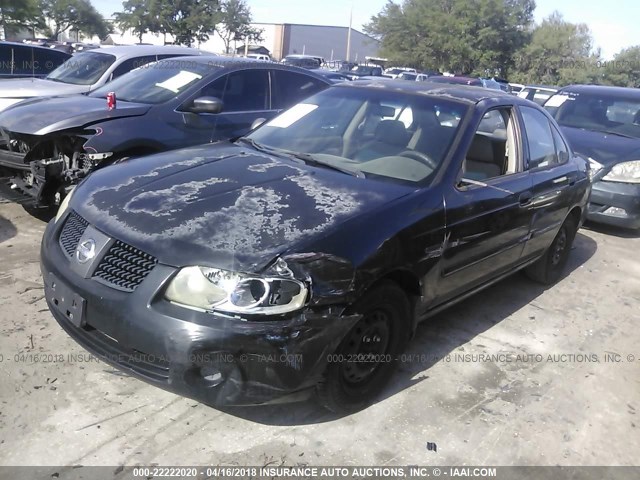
377	339
44	214
548	269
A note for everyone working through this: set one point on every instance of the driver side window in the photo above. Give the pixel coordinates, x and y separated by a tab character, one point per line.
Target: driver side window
493	151
246	90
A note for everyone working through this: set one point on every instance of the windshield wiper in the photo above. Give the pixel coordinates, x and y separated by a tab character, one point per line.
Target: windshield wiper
305	157
611	132
311	160
251	142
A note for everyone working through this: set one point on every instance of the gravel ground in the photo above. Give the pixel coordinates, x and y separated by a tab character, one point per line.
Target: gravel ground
563	390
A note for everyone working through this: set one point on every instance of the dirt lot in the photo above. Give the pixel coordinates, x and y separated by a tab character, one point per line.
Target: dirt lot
564	400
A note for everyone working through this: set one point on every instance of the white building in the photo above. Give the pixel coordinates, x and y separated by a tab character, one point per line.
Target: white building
329	42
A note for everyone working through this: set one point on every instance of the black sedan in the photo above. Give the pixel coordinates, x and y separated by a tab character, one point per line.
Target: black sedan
603	125
301	257
20	60
49	144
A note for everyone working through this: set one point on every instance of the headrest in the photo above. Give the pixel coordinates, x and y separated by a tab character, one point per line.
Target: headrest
392	132
383	111
481	149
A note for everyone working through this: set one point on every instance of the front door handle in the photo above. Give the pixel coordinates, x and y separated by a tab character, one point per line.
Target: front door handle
525	199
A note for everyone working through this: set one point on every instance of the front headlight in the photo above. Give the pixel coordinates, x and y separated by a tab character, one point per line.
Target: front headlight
626	172
212	289
64	205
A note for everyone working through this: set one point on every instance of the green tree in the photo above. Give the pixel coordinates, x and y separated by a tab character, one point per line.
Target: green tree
77	15
235	23
559	53
139	16
188	20
624	69
16	14
462	36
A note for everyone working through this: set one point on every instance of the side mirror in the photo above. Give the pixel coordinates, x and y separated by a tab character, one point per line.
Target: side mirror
207	105
257	122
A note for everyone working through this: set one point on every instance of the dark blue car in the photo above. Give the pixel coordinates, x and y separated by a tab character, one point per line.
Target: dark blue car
298	260
49	144
603	125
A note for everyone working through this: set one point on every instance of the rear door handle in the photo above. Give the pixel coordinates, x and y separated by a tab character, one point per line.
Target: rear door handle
525	198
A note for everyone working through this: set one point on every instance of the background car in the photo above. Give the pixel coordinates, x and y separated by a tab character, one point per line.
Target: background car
393	72
165	105
365	71
516	88
332	75
87	71
22	60
472	81
537	93
411	76
303	61
319	241
258	56
603	125
504	84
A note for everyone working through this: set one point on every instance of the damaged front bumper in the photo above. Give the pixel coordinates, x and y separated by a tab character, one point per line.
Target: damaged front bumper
213	358
41	170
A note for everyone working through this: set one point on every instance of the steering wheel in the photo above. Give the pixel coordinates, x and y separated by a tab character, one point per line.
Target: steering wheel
420	157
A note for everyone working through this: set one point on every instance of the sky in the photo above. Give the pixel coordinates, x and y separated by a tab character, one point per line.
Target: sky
613	23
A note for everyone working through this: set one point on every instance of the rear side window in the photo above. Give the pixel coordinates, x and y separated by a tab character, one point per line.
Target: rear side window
540	139
22	61
46	61
131	64
293	87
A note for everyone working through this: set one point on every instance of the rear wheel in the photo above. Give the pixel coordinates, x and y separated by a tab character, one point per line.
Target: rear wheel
548	269
366	357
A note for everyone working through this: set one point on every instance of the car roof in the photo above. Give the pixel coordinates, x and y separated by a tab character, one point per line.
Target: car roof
543	87
243	63
130	51
29	45
297	55
600	89
463	93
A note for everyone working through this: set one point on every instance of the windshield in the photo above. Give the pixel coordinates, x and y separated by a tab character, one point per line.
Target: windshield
388	135
605	112
84	68
367	70
156	82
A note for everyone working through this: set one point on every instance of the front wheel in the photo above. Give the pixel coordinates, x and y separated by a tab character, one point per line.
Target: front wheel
548	269
366	357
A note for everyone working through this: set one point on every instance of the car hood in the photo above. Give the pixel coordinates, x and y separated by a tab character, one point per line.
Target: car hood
605	148
40	116
37	87
223	205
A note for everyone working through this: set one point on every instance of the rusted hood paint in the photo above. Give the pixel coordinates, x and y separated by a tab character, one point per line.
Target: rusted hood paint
224	205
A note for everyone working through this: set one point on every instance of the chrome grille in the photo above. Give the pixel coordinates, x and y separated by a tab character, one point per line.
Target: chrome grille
71	233
124	267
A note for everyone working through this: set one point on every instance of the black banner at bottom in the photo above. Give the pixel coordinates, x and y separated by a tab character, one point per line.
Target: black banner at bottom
269	472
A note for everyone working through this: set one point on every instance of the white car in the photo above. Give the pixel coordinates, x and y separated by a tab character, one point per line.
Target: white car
393	72
258	56
86	71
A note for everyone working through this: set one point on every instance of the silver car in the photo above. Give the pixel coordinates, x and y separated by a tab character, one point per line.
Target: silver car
87	71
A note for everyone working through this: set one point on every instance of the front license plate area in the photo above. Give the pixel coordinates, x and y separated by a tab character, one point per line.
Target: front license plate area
65	300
